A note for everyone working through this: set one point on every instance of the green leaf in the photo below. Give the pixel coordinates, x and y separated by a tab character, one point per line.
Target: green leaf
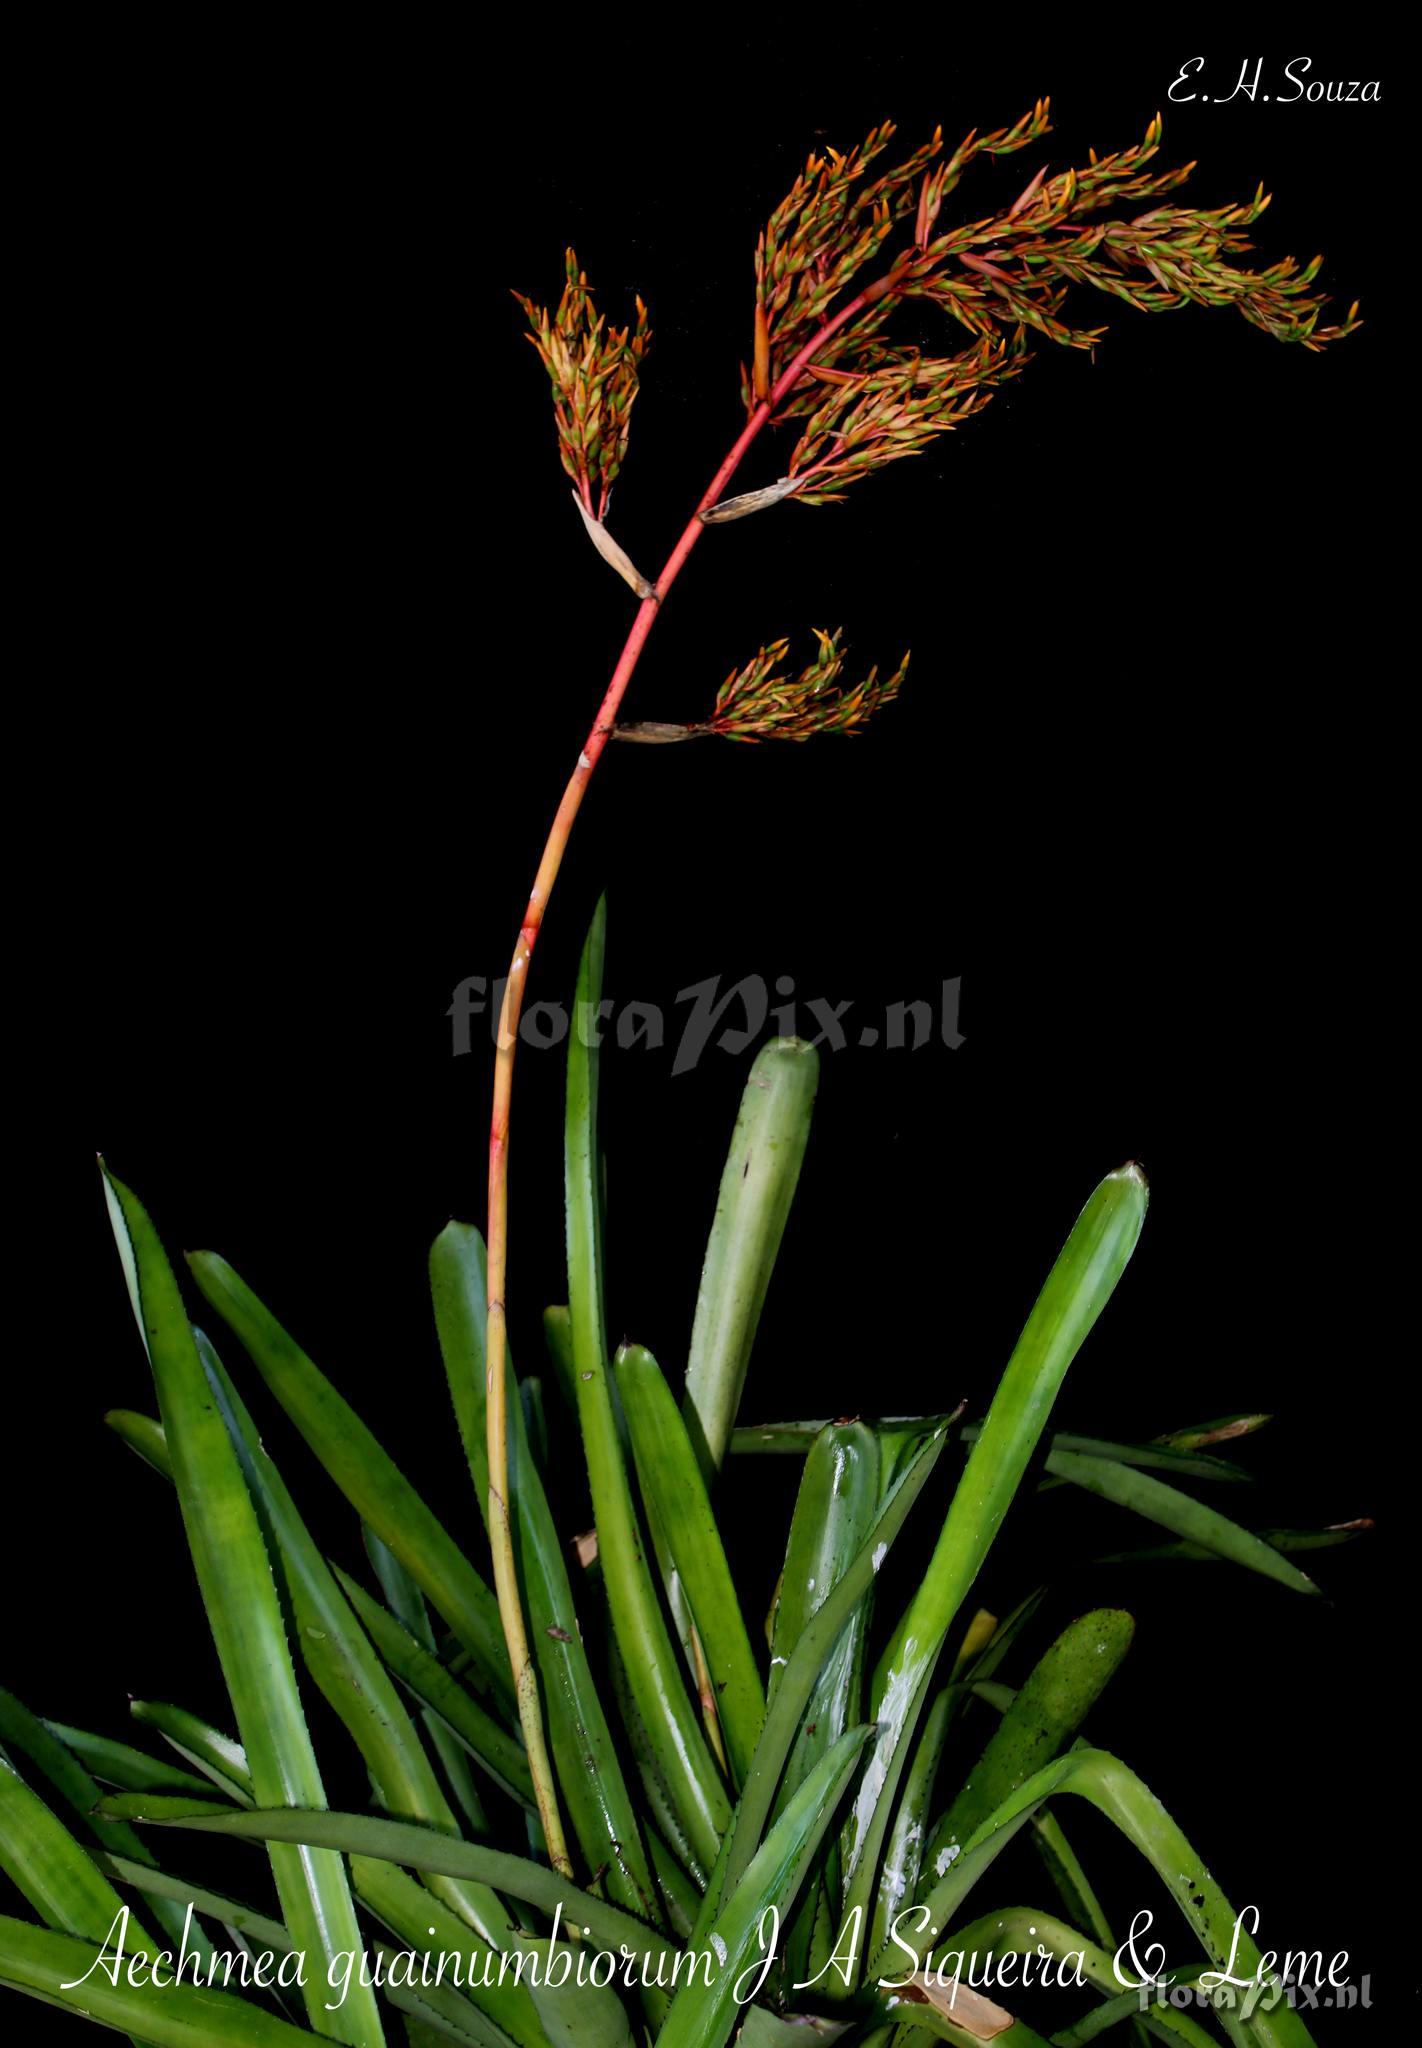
490	1745
799	1677
156	1884
706	2007
652	1668
459	1273
683	1900
335	1648
661	1812
117	1763
219	1757
1077	1289
793	1439
757	1188
1069	1879
428	1927
577	2016
558	1342
407	1603
235	1577
1286	1540
24	1732
60	1970
371	1481
1042	1720
673	1487
835	1508
437	2007
1107	1784
401	1904
349	1673
904	1854
589	1774
1191	1519
763	2029
417	1848
424	2029
1027	1931
1165	2022
1182	1463
143	1434
59	1878
836	1505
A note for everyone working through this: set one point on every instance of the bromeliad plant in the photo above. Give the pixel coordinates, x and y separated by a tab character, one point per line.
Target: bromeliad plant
707	1779
603	1811
834	1797
852	248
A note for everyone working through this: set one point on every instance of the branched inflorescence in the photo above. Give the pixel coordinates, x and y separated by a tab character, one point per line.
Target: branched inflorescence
763	702
828	281
827	229
868	402
593	369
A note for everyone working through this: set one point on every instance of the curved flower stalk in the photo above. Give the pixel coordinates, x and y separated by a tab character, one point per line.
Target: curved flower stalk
828	280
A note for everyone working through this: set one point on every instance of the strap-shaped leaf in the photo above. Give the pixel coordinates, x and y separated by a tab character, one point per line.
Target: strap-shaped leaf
904	1852
259	1928
653	1670
416	1848
672	1486
1180	1461
799	1677
1286	1540
793	1439
59	1767
351	1675
1115	1791
366	1474
484	1738
504	2009
333	1644
143	1434
757	1187
409	1607
220	1757
1190	1519
839	1496
59	1878
505	2013
589	1773
1042	1719
121	1765
1076	1290
708	2005
234	1574
173	2016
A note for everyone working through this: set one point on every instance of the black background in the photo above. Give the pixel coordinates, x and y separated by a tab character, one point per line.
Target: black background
329	637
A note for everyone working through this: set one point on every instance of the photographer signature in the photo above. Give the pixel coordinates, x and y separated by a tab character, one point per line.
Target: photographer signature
1301	86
